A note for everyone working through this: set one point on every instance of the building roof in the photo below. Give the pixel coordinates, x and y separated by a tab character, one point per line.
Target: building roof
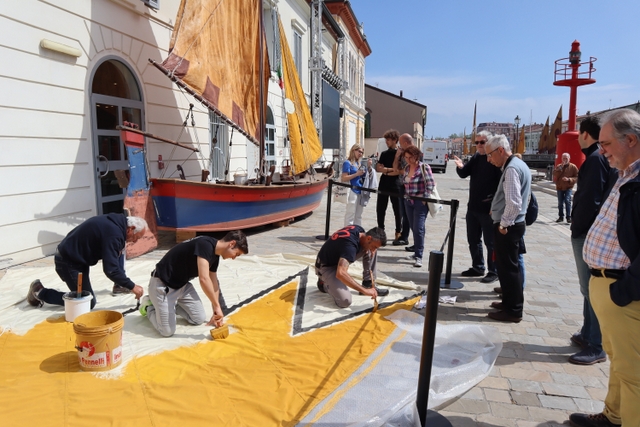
368	86
342	8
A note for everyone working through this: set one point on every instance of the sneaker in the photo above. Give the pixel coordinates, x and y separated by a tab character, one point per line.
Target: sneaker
577	339
381	292
560	219
472	272
593	420
588	356
32	295
321	286
120	290
418	262
489	278
145	302
411	257
411	248
400	242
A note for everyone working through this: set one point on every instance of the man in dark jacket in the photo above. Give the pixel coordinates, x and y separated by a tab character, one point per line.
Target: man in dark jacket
612	252
592	181
484	178
101	237
389	183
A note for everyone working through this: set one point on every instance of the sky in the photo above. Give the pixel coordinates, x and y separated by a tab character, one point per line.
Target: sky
501	53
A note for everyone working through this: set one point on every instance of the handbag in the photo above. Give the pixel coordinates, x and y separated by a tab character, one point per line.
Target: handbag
340	193
434	207
532	210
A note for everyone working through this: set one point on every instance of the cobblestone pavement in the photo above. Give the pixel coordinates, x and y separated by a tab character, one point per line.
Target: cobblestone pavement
532	383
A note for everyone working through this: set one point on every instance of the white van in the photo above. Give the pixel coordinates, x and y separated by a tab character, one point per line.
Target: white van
435	154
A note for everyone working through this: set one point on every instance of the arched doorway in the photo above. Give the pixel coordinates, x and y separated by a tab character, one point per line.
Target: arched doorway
115	98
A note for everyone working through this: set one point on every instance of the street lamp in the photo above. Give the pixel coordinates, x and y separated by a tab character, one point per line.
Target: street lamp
517	122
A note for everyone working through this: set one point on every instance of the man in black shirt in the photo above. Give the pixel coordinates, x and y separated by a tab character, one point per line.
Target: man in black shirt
101	237
482	186
170	289
389	182
343	248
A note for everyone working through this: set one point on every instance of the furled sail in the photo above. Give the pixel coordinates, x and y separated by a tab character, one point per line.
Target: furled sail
303	136
215	55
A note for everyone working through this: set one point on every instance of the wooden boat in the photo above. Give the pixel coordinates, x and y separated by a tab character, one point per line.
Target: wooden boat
213	58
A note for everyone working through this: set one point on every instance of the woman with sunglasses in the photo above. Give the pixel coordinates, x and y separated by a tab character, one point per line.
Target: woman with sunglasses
418	181
353	172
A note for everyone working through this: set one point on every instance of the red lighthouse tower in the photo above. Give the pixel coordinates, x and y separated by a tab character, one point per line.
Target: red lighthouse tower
568	74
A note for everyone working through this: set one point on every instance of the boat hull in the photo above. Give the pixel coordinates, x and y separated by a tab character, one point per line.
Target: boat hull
199	206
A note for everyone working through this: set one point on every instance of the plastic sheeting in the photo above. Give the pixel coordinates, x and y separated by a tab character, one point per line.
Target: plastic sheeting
383	391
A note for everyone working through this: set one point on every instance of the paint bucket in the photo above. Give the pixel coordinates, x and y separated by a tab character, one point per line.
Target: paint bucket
99	340
74	306
240	178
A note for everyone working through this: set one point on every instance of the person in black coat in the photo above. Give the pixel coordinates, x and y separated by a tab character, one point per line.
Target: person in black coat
101	237
389	183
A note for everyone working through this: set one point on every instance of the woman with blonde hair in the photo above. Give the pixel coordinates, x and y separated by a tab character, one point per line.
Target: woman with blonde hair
353	173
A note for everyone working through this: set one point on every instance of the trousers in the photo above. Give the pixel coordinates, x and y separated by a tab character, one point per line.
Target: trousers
168	302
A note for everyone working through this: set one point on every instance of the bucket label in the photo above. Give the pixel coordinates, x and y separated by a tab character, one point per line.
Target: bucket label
90	359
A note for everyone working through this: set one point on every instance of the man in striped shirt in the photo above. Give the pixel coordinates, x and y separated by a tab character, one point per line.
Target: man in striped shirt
611	251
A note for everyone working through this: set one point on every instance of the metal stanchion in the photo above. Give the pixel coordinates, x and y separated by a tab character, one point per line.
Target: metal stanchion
447	283
326	228
436	260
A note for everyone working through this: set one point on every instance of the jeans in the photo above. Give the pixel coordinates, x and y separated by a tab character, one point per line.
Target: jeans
480	225
417	214
406	225
353	213
591	327
69	275
564	199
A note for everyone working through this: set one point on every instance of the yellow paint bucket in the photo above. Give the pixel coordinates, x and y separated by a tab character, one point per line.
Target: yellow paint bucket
99	340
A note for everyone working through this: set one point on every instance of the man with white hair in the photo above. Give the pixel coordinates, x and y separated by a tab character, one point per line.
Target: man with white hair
508	209
101	237
565	175
612	252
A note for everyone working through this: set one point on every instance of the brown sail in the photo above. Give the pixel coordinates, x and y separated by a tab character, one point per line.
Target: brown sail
215	55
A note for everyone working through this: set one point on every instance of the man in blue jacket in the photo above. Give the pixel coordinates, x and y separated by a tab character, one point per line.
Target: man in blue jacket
612	252
592	182
101	237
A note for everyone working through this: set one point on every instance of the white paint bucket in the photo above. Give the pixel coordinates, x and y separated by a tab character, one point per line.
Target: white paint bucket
74	307
240	178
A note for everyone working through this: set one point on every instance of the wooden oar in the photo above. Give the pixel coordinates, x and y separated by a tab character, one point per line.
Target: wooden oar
79	291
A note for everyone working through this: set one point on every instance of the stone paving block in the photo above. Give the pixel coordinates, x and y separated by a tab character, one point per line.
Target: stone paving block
589	406
494	395
491	421
557	402
569	379
475	393
509	411
493	382
525	386
588	370
548	367
598	393
459	420
538	332
534	356
469	406
532	375
549	415
525	398
564	390
526	339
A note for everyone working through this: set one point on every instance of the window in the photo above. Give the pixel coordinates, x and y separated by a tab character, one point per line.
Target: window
297	52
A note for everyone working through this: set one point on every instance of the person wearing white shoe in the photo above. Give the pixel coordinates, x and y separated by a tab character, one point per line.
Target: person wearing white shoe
418	182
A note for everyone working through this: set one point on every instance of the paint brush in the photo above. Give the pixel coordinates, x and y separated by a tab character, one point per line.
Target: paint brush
79	290
220	333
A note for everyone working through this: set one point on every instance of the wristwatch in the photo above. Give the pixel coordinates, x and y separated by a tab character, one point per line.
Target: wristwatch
500	227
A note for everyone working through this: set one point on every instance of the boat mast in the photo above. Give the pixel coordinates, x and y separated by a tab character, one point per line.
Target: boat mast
316	64
261	123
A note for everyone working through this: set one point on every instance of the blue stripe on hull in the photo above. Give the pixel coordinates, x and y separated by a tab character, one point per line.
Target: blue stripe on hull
181	213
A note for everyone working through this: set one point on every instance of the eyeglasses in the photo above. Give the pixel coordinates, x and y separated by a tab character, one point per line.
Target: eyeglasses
480	142
489	153
360	151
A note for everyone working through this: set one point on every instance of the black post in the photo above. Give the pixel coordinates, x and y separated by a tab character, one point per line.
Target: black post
447	284
328	220
436	260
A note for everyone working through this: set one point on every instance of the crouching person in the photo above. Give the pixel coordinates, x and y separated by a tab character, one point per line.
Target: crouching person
170	289
343	248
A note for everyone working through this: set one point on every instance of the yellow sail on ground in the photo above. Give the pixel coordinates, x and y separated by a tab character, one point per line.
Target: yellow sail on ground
303	136
215	55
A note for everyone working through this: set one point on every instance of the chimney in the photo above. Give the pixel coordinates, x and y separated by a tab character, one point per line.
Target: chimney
400	94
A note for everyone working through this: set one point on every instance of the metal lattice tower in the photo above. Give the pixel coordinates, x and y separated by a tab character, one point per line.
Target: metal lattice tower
316	63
